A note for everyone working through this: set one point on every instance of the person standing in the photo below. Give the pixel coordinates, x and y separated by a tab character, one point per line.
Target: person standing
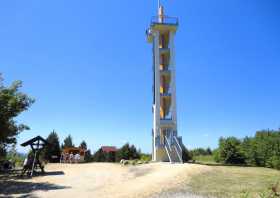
71	157
77	158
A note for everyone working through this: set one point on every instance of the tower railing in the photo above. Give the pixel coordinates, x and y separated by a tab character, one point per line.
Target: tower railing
168	148
164	20
178	148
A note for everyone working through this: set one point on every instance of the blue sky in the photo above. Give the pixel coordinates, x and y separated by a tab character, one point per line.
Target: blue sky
89	67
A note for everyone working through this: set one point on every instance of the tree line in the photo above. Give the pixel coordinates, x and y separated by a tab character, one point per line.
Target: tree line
53	151
261	150
201	151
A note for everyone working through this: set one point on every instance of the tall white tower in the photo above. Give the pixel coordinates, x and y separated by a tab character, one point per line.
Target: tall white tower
167	146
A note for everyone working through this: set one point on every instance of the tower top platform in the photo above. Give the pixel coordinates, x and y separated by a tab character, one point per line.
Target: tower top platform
162	22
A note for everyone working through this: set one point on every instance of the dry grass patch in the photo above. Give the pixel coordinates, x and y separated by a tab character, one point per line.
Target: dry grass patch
230	181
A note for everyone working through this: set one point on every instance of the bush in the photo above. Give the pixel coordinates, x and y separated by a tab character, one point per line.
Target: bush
186	155
216	155
273	162
15	157
145	157
230	151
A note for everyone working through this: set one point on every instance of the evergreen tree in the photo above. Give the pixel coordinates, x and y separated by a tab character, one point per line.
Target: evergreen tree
88	156
127	152
99	156
208	151
110	157
68	142
123	152
52	150
83	145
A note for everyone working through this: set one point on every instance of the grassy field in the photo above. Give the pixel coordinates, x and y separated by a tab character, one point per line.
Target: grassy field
231	181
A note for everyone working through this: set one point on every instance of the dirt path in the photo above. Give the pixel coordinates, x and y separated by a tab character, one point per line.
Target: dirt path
104	180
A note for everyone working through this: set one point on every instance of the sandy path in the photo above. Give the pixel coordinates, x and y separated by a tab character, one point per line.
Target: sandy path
104	180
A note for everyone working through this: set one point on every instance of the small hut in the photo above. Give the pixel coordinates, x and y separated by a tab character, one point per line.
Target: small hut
67	152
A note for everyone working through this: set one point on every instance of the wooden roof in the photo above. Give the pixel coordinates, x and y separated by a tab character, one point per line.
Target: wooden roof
69	149
108	149
31	141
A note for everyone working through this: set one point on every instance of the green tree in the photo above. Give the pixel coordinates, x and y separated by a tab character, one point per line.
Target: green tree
127	152
208	151
261	150
88	156
68	142
123	152
230	151
52	150
111	157
83	145
99	156
12	103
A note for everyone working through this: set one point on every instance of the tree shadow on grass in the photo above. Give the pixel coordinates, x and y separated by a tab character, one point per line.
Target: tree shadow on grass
13	184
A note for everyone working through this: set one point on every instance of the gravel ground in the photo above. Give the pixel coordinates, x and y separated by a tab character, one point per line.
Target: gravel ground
104	180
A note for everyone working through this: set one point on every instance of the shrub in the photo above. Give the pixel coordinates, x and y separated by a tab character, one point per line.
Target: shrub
273	162
145	157
230	151
216	155
15	157
186	155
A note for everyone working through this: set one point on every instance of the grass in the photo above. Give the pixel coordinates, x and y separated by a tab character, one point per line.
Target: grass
205	159
231	181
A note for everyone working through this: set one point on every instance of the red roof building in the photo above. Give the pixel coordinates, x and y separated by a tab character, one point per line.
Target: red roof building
108	149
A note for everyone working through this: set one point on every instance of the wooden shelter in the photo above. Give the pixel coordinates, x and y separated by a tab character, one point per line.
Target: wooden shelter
37	144
72	150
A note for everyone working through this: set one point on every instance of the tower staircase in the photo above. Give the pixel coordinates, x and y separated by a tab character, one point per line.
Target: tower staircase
173	149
